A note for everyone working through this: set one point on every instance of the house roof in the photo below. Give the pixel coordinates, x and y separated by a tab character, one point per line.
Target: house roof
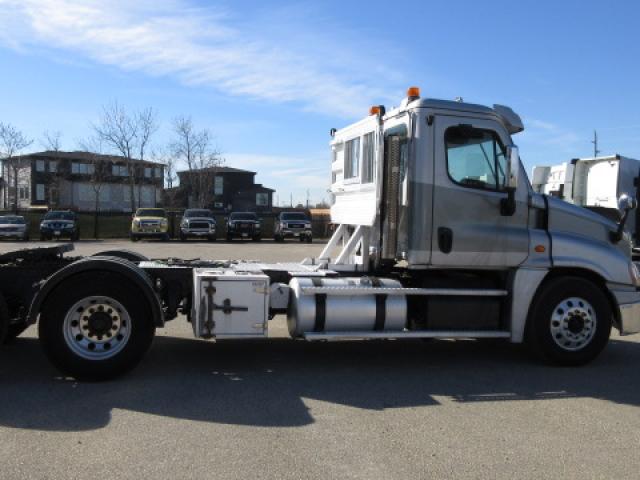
82	156
220	169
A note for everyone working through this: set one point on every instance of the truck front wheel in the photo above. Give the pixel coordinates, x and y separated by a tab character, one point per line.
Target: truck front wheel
569	322
94	326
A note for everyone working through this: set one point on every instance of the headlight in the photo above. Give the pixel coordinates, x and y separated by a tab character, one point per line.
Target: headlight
136	223
258	225
283	225
635	274
164	222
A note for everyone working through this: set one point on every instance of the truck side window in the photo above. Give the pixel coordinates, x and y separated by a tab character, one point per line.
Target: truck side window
352	158
475	158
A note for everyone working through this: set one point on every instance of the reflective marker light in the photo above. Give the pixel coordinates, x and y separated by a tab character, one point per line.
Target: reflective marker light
375	110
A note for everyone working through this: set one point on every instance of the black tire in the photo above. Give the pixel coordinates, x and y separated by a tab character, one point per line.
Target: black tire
278	238
229	238
212	238
42	238
4	320
309	239
551	310
183	237
165	238
256	239
134	238
60	303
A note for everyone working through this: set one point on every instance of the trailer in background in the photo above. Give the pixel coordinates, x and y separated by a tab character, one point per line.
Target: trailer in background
593	183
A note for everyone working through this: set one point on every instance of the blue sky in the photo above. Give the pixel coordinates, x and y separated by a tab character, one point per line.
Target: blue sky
270	78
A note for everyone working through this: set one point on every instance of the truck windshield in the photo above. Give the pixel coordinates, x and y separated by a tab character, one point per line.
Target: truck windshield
12	220
243	216
59	216
151	212
294	216
198	213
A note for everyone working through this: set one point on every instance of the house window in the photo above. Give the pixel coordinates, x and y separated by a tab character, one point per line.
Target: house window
39	165
82	168
119	171
352	158
147	172
158	172
23	192
475	158
367	158
53	166
218	185
262	199
40	191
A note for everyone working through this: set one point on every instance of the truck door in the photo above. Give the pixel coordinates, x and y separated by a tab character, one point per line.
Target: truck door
469	227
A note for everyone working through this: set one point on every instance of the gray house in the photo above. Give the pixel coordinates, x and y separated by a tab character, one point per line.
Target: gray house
73	180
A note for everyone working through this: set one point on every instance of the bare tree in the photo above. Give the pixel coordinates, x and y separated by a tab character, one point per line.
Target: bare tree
99	175
98	179
12	141
147	126
128	135
194	148
51	141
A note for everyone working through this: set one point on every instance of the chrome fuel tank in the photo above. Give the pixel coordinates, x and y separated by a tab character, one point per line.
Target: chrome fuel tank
344	304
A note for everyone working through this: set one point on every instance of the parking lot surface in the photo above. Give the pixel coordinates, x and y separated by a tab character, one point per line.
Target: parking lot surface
283	409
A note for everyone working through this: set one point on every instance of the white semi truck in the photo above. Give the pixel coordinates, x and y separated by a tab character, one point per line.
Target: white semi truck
439	235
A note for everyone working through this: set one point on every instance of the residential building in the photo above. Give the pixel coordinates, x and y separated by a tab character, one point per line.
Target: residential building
222	189
75	180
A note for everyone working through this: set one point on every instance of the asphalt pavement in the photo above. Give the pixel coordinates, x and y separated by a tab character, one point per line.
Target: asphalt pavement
284	409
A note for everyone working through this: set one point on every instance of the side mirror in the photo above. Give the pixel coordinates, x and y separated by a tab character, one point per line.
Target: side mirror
513	166
626	203
508	205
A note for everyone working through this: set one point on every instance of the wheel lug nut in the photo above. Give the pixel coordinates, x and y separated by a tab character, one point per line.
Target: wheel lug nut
79	338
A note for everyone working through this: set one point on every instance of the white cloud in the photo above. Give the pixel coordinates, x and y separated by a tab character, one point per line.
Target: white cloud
206	47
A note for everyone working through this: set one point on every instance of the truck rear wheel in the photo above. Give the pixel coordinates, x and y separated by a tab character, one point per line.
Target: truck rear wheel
93	326
569	322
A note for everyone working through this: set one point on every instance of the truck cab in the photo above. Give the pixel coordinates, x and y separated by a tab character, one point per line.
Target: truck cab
434	191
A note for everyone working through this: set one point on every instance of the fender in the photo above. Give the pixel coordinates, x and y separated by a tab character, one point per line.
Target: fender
112	264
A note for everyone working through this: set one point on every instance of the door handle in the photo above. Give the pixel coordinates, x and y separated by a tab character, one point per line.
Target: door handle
445	239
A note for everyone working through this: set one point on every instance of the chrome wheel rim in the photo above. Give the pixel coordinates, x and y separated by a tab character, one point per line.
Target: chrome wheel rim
573	324
97	328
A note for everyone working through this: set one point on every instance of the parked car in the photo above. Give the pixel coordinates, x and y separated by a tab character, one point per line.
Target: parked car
197	222
150	223
14	226
293	225
244	225
59	224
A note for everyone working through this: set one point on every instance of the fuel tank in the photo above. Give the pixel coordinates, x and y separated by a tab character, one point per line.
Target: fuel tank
344	305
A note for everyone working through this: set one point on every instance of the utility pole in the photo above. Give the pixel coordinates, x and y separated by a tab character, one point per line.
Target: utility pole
291	200
596	152
307	199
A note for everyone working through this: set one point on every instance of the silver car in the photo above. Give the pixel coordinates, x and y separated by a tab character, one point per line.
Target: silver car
14	226
199	223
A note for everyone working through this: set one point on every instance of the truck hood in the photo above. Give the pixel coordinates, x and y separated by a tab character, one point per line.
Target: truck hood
577	221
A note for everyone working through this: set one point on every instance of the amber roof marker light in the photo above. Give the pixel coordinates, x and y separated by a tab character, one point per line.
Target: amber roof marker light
377	110
413	93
